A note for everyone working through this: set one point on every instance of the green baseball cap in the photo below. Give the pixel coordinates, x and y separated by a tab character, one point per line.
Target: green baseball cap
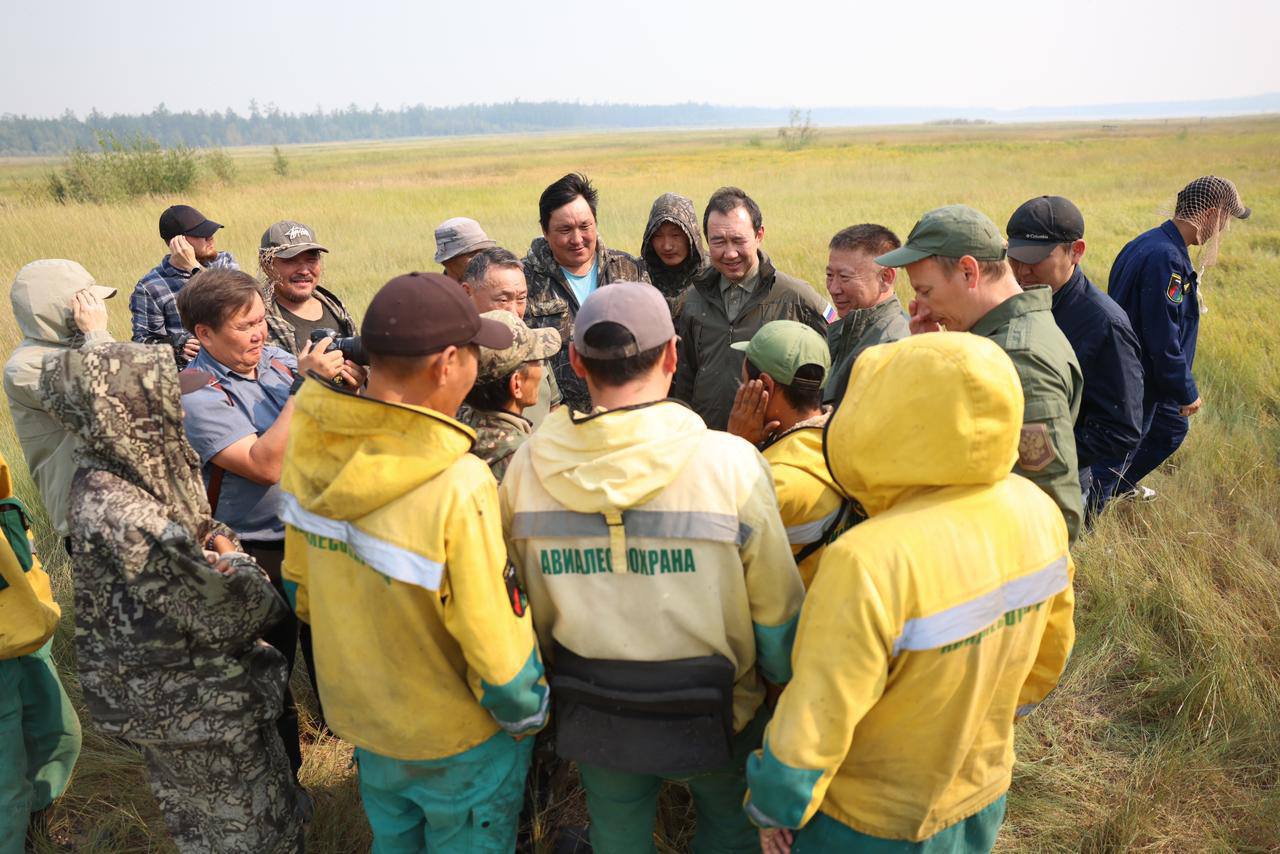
782	347
953	231
527	345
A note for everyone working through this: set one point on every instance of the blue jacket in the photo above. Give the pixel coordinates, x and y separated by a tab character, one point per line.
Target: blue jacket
1110	422
1153	281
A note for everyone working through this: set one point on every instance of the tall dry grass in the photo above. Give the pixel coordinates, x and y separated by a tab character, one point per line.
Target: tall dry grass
1165	734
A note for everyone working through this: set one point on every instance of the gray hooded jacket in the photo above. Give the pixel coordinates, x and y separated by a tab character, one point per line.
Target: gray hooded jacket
41	299
674	281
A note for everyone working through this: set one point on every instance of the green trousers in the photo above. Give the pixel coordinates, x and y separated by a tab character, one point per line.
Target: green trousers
623	806
464	803
39	742
975	835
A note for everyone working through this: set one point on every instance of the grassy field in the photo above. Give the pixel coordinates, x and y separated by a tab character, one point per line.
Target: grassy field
1166	732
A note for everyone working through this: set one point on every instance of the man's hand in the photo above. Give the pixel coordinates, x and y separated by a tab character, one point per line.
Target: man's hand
351	375
775	840
192	348
89	312
922	320
1191	408
181	255
746	419
314	360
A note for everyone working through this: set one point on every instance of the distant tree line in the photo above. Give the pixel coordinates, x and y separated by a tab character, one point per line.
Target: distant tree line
271	126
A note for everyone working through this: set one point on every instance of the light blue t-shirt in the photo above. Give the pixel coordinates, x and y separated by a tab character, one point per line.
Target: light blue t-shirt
582	285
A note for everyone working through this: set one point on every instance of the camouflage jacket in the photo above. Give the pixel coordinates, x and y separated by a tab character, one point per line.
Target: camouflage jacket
280	332
498	434
167	647
674	281
552	303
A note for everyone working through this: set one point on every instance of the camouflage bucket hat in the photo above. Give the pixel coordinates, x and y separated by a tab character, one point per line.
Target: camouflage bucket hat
527	345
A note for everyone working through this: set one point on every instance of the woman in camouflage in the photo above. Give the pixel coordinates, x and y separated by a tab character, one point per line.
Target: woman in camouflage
168	613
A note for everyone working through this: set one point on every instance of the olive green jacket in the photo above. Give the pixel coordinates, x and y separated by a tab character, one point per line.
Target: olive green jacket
855	332
708	372
1052	383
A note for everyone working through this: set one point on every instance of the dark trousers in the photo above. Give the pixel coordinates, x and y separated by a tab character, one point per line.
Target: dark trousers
1163	429
286	636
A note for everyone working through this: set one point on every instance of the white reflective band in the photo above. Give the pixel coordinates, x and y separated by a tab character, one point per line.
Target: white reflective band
394	561
810	532
538	718
969	618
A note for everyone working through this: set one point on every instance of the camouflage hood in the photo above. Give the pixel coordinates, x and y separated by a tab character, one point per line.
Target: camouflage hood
124	403
674	208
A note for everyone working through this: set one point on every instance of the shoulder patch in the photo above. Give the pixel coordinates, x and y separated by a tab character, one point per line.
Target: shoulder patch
1174	293
1035	449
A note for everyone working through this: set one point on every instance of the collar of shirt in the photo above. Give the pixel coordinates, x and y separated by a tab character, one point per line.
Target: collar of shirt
1071	288
749	284
204	362
1035	298
1175	237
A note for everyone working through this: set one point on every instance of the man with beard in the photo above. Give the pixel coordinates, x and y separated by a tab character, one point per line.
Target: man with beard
190	237
296	303
672	248
565	265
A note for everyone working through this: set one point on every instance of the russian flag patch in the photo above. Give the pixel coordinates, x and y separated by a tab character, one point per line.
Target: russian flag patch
830	313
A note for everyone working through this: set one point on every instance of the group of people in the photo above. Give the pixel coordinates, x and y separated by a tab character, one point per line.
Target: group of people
670	516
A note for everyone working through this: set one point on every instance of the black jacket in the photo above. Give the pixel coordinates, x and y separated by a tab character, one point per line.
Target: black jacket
1110	422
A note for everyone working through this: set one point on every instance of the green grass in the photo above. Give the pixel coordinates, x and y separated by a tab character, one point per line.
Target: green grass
1165	734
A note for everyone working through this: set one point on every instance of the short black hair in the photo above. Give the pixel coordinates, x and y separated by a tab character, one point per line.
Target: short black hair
805	394
492	394
494	256
726	199
615	372
564	191
214	295
873	239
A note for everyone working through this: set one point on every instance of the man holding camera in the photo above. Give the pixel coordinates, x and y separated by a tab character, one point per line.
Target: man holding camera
237	406
296	304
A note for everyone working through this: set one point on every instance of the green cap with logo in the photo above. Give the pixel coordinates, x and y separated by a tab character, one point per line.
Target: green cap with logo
527	345
782	347
953	232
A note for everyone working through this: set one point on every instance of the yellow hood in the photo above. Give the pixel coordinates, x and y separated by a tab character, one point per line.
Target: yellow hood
942	409
613	460
363	454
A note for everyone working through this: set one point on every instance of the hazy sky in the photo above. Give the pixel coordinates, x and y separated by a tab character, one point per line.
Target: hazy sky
128	56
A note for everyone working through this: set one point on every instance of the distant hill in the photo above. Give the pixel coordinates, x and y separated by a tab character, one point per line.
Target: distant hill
270	126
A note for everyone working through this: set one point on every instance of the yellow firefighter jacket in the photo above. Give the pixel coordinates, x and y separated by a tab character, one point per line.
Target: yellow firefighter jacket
808	499
640	535
422	643
934	624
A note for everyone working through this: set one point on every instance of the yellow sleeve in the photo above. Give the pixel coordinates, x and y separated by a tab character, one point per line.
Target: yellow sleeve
1055	648
774	589
486	613
813	725
293	572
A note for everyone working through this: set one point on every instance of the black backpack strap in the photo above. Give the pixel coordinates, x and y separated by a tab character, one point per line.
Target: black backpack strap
840	522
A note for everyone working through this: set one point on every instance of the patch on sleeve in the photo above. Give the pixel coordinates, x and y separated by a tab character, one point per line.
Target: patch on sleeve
514	594
1035	448
1176	289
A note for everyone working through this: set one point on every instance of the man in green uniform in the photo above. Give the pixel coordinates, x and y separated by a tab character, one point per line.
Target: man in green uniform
955	258
507	383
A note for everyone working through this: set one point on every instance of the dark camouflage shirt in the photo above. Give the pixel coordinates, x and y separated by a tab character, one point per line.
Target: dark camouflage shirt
498	434
552	303
167	647
674	281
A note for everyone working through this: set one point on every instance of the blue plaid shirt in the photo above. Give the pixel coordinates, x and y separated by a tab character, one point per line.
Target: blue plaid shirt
154	305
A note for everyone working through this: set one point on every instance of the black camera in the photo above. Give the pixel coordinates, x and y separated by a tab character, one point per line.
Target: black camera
352	348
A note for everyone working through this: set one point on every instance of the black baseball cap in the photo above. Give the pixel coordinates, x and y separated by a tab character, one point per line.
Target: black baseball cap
187	221
1041	224
418	314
